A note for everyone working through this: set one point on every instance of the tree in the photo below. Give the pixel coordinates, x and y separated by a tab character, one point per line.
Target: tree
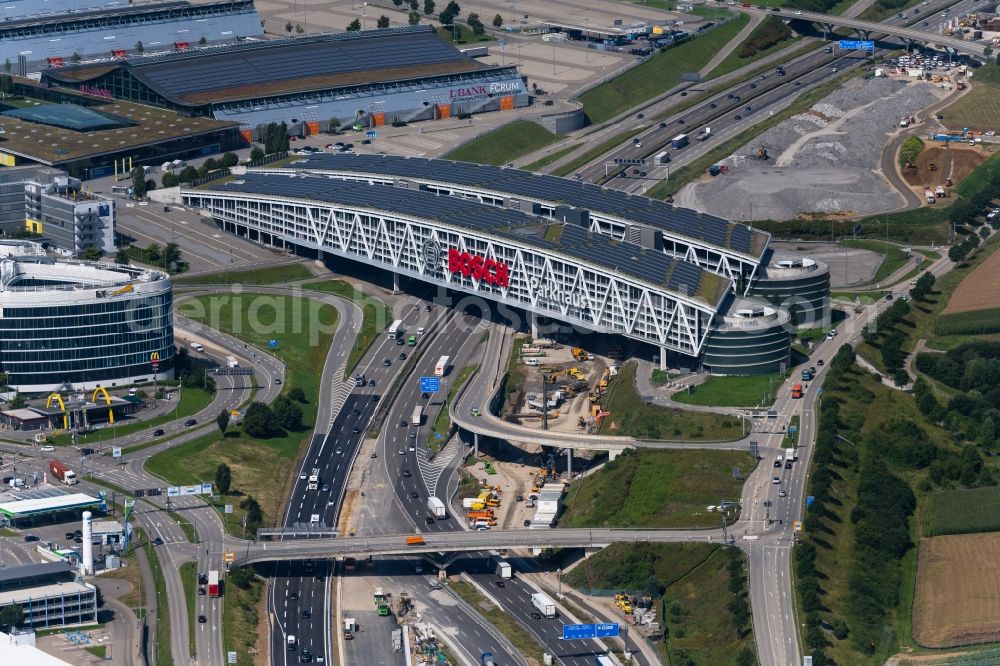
241	577
75	57
398	3
259	421
988	50
121	257
745	657
11	616
139	47
170	179
256	154
255	516
354	25
91	254
171	254
7	66
207	167
414	17
153	253
477	26
222	420
287	414
497	21
984	233
414	5
230	160
383	21
298	29
298	395
188	174
333	125
138	183
202	41
429	7
450	13
223	478
289	27
17	402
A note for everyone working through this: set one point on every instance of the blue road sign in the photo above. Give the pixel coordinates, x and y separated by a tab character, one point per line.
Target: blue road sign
273	343
572	632
809	500
430	384
854	45
371	134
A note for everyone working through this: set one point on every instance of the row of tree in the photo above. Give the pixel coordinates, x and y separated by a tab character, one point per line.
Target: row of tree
923	288
446	17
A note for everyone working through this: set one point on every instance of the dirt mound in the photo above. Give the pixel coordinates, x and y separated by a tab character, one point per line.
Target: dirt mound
956	161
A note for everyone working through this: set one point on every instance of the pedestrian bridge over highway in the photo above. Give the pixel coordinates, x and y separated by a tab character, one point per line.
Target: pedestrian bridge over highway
450	542
867	28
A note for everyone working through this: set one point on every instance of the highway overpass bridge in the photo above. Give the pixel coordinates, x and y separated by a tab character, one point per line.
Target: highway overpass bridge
246	552
868	28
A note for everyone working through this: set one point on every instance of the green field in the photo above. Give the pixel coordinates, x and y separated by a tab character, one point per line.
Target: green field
962	512
442	424
632	417
647	488
504	144
969	323
628	566
192	400
893	257
734	60
262	468
265	275
377	317
657	75
750	391
550	158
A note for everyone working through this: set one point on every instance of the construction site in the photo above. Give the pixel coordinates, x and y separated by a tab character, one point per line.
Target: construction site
561	386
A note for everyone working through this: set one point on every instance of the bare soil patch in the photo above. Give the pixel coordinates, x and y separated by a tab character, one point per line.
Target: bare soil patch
958	590
978	290
958	162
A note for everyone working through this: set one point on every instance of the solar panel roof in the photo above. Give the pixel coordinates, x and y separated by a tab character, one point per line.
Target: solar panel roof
624	258
680	221
399	50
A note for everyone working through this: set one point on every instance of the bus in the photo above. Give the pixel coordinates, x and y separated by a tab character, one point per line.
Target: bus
418	415
394	330
441	369
797	391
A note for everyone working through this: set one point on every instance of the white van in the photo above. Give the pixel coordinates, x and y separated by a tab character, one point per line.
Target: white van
531	361
197	346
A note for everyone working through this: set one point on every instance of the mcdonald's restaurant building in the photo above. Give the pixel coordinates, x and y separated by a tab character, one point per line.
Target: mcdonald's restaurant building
71	326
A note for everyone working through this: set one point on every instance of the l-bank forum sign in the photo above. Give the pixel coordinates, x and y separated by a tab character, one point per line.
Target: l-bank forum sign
486	90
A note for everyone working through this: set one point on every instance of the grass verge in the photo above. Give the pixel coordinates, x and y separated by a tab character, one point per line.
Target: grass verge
504	144
442	424
550	158
649	488
376	317
163	656
573	165
658	74
771	28
632	417
189	578
749	391
187	527
192	400
99	651
525	643
265	275
695	168
893	257
240	619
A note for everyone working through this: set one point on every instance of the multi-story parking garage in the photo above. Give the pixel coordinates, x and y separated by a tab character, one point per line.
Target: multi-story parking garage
76	325
666	284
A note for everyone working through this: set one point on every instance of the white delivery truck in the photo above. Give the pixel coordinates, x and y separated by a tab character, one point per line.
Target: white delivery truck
544	604
441	369
504	570
396	329
436	507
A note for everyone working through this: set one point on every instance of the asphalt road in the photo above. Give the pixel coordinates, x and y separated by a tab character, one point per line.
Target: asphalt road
762	94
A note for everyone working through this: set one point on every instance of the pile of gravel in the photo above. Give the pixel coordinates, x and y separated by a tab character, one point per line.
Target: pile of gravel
821	161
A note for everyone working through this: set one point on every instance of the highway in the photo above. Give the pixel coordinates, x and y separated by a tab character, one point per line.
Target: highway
726	112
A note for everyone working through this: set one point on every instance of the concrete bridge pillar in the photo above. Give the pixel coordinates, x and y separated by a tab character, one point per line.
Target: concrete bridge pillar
613	453
475	445
663	359
827	29
395	283
533	320
569	463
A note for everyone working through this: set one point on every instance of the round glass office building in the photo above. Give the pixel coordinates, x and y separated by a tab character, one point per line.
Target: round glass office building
74	325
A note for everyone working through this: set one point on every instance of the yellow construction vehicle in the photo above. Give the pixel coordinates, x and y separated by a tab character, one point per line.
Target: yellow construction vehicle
579	354
492	503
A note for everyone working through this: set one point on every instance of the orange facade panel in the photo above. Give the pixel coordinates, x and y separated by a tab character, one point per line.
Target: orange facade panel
312	127
378	119
506	103
247	135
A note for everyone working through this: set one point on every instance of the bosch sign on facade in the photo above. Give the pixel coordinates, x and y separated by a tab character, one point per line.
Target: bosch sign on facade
478	268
